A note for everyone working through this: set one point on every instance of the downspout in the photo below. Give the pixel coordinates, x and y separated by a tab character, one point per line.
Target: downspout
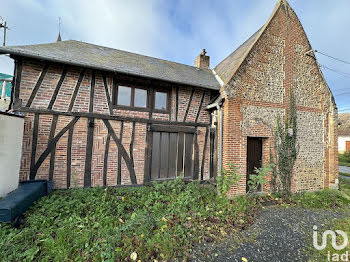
218	107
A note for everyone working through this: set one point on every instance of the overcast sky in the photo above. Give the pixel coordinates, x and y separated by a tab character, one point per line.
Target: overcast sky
179	30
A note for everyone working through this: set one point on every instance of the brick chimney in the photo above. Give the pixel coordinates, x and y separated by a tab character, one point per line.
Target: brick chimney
202	61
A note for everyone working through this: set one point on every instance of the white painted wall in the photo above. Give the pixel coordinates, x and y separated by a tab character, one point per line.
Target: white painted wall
341	143
11	134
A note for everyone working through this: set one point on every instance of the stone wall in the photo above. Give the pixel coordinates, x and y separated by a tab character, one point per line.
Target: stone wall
259	91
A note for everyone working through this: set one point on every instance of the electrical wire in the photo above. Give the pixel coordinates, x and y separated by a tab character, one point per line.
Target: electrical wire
341	89
342	94
336	71
340	60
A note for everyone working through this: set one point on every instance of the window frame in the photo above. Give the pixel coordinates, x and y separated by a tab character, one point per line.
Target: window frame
132	98
168	100
151	96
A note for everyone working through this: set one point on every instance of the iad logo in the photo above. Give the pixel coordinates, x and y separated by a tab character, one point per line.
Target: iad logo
334	239
332	234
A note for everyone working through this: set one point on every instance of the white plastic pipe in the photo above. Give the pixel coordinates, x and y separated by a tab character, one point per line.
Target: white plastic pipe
3	92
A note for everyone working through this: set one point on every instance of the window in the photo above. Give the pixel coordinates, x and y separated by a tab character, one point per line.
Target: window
161	100
140	98
131	96
124	96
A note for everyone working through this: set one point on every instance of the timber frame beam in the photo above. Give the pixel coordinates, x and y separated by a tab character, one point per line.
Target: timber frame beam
109	117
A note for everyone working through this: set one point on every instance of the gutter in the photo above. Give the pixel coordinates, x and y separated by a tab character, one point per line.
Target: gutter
217	77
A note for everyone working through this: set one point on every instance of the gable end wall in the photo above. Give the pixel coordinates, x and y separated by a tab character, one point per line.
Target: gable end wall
259	91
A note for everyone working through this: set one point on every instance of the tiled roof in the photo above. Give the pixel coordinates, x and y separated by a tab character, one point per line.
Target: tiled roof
344	128
109	59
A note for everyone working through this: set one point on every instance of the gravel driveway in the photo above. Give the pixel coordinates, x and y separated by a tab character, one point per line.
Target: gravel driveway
279	234
344	169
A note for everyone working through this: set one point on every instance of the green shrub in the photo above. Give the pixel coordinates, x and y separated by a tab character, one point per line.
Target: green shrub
258	179
346	156
227	179
159	222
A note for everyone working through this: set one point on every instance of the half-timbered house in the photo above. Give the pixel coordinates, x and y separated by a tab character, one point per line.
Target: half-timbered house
97	116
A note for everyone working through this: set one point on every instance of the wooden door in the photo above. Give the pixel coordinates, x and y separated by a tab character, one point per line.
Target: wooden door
172	154
254	156
347	146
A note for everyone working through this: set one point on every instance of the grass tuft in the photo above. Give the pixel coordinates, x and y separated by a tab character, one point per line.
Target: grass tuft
327	198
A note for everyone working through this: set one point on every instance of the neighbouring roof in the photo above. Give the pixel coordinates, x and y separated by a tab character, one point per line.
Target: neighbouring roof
109	59
5	76
344	128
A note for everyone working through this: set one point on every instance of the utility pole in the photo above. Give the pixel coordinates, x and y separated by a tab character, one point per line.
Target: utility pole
3	24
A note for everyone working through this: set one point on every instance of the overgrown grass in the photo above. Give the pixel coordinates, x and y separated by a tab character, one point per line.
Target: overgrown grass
327	198
344	164
344	174
338	224
160	222
342	158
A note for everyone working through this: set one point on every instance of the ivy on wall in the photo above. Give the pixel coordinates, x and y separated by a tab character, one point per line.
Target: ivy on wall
286	149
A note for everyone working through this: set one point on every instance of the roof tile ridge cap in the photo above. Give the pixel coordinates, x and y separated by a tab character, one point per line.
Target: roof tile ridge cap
137	54
262	30
51	43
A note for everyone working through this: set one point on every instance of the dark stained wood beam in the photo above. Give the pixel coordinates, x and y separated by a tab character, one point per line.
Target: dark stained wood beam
151	95
122	152
108	117
119	171
196	157
92	91
189	105
148	154
204	152
88	154
38	84
176	103
34	145
69	155
105	160
53	152
50	146
108	97
132	143
57	89
200	107
18	76
169	128
17	103
76	89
